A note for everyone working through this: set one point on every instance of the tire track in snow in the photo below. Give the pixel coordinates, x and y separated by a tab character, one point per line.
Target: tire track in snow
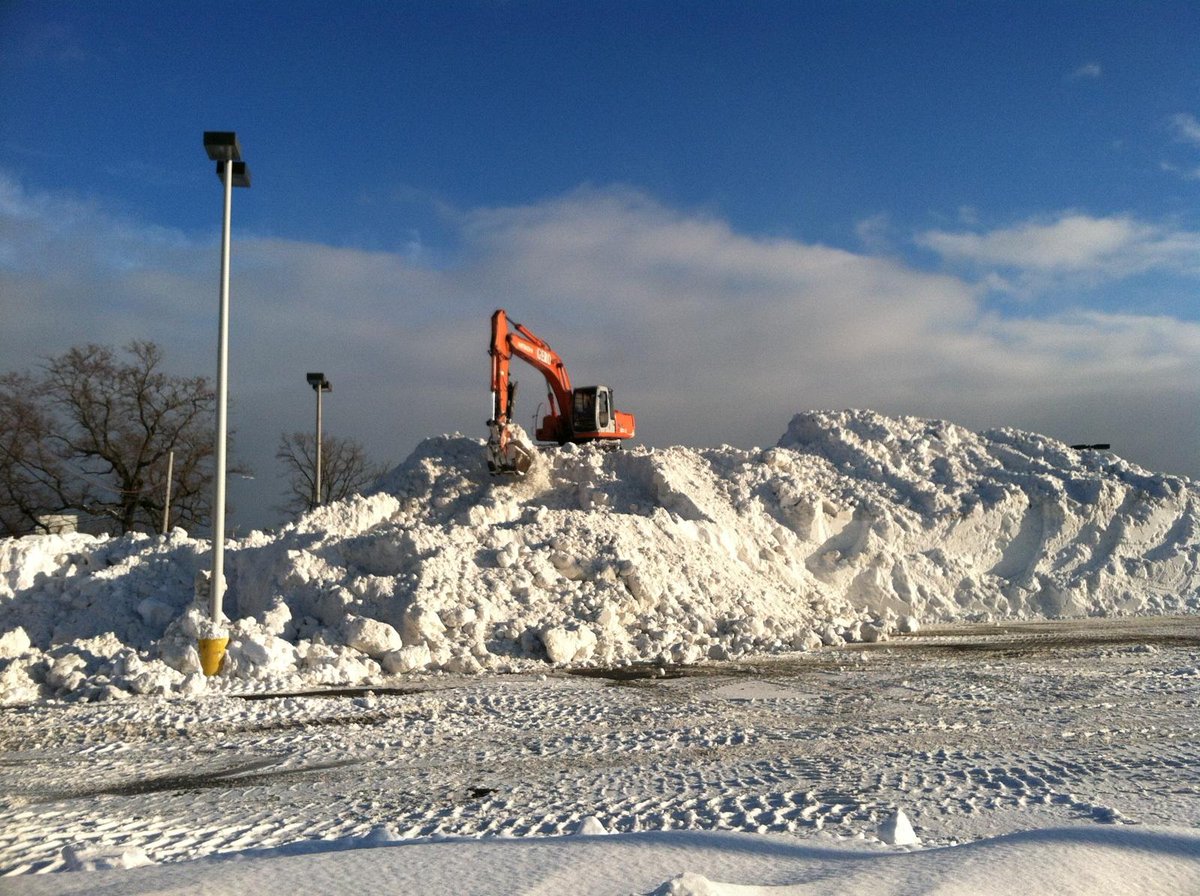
1093	729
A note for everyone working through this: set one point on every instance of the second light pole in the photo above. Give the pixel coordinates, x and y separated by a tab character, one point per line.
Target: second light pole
320	385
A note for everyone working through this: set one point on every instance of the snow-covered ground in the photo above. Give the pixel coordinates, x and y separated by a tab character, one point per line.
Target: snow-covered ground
1049	758
456	627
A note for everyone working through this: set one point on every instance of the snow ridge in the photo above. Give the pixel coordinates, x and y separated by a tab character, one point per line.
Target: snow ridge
853	526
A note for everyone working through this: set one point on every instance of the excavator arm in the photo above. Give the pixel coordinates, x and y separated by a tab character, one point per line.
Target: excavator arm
536	352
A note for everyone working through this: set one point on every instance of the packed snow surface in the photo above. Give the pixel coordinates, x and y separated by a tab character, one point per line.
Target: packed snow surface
853	527
1066	862
1045	758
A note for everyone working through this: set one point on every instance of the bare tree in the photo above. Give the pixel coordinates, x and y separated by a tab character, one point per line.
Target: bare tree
25	495
92	434
345	468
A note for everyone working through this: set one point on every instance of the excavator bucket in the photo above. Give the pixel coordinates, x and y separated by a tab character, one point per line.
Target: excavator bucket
509	450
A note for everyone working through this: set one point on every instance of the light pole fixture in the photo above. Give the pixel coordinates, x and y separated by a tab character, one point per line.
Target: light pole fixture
223	148
320	385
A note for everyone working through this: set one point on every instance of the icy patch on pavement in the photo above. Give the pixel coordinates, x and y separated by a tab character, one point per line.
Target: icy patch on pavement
854	527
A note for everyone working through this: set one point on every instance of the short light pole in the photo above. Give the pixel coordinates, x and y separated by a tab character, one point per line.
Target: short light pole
167	497
223	148
320	386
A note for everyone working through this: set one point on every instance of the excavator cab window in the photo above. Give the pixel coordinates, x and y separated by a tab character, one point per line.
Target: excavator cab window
602	415
583	414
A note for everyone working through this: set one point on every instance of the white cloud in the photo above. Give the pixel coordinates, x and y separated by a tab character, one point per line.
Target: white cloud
1115	246
1187	130
1186	127
707	334
875	233
1090	70
1185	173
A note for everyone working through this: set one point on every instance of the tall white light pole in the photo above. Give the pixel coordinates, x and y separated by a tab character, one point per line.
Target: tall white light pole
320	385
222	147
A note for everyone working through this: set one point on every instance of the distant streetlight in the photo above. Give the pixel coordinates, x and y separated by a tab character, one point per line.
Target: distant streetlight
320	385
223	148
167	497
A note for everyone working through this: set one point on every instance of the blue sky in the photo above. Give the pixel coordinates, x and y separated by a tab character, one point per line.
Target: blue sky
730	212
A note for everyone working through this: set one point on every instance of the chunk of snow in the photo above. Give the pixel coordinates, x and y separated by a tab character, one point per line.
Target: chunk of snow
564	645
14	643
372	637
407	659
422	625
691	884
77	857
590	826
897	830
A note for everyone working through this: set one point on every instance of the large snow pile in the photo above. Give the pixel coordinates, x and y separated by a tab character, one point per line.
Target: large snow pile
853	526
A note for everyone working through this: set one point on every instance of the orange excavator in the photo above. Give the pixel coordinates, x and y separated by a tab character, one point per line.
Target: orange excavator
585	414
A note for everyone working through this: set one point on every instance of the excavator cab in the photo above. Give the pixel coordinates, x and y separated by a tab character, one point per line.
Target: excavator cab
594	417
591	410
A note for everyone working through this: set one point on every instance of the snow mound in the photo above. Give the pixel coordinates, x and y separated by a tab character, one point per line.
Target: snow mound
853	527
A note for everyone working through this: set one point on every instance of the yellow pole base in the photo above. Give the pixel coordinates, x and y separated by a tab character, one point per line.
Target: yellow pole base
212	651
